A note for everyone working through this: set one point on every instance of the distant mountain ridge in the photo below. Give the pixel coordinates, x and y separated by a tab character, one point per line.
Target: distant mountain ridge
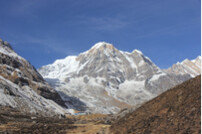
191	67
107	79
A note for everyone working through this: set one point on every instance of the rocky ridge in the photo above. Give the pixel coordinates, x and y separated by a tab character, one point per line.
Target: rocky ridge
22	87
191	67
103	78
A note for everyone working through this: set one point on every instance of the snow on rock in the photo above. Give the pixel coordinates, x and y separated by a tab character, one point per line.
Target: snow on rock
101	44
22	87
137	51
7	51
130	60
29	99
157	76
190	67
61	67
105	80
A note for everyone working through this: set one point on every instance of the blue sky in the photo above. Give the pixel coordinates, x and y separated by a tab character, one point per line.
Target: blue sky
42	31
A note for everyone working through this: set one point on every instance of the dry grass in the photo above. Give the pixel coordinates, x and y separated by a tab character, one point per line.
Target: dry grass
176	111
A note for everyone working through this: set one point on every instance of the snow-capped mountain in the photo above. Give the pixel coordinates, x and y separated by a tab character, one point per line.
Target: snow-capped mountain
22	87
106	79
191	67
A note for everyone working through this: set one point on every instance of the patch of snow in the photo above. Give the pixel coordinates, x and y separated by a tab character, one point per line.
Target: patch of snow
9	52
131	61
148	59
138	51
100	44
141	63
82	66
125	52
29	98
157	76
131	85
60	68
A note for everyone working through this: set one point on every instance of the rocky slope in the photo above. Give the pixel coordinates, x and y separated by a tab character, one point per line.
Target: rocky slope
178	110
22	87
107	80
191	67
13	121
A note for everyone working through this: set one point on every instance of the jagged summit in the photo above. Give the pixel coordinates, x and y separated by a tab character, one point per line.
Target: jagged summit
108	49
191	67
104	78
137	51
186	60
102	45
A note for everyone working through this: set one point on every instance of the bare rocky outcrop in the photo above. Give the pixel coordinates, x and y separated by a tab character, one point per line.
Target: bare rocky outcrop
19	74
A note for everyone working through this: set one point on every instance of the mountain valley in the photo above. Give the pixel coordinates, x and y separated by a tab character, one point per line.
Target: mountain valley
101	91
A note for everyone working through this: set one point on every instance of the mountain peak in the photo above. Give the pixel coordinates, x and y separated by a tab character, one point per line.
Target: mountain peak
137	51
102	45
185	61
105	73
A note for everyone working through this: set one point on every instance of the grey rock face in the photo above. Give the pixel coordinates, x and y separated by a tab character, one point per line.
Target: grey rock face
19	75
107	79
190	67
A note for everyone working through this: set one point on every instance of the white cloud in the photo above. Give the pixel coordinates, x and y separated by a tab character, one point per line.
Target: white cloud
104	23
50	44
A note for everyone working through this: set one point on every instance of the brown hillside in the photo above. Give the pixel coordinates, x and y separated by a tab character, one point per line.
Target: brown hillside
176	111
